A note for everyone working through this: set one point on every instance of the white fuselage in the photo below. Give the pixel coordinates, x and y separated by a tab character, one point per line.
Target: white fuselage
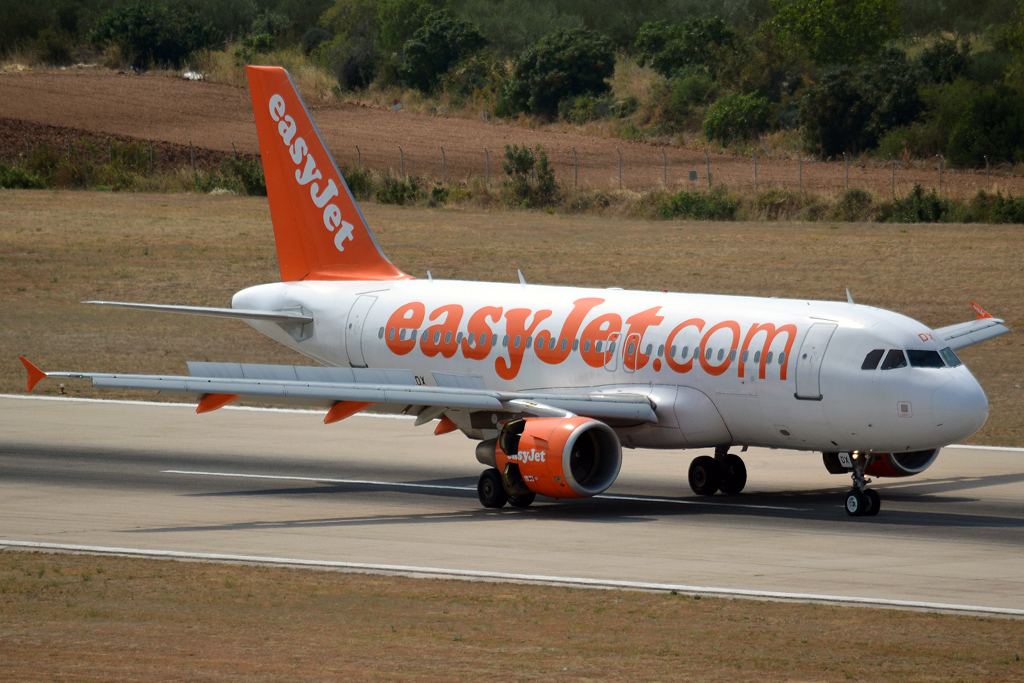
770	372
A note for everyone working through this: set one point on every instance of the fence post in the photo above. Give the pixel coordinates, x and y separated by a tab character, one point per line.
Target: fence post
234	150
988	182
193	151
575	169
444	168
359	158
755	170
800	168
150	156
620	166
892	163
487	167
664	168
707	158
401	156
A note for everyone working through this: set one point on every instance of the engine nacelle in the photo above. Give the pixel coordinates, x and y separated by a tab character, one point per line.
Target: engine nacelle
885	464
571	457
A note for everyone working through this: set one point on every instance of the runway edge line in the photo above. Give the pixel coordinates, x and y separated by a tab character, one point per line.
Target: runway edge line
472	574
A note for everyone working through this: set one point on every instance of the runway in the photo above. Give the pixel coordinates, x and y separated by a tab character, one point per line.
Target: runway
376	491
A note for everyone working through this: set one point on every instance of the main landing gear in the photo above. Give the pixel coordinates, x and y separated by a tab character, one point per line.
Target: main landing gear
725	472
493	494
861	501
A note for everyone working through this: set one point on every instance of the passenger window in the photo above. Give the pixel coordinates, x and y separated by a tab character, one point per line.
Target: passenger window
661	350
745	355
494	340
782	358
871	360
648	350
564	344
575	344
768	359
518	341
950	357
586	346
504	341
894	359
380	335
757	356
924	359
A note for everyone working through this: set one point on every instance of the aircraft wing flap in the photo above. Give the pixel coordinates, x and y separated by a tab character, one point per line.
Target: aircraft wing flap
972	332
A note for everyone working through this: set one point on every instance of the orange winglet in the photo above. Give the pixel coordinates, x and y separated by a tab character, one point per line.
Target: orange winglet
339	411
980	312
34	373
444	426
212	402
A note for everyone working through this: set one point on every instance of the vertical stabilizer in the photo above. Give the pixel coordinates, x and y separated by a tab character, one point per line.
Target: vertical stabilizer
319	230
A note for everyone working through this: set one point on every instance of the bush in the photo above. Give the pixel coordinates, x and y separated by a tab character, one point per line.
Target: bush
834	114
53	47
435	47
561	65
737	116
944	61
715	205
992	125
691	44
854	205
583	109
360	183
778	204
249	173
150	34
625	107
400	19
14	178
398	191
312	39
988	208
837	31
531	180
915	207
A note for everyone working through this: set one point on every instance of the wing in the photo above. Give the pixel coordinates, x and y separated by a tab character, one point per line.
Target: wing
965	334
220	383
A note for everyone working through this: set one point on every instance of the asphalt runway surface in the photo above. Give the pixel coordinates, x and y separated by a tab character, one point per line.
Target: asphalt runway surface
379	491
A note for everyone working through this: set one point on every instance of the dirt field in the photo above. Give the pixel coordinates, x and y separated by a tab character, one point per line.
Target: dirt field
212	115
60	248
85	618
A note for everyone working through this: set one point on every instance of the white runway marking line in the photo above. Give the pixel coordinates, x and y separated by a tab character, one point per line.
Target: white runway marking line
441	572
324	480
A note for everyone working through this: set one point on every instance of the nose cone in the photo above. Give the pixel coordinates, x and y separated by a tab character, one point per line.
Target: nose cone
960	407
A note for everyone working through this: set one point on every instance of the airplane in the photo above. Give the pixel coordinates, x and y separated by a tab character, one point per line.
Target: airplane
553	382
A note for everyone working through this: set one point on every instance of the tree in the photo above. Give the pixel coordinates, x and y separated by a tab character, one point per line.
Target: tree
992	125
563	64
837	31
737	117
672	49
399	20
834	114
435	47
153	34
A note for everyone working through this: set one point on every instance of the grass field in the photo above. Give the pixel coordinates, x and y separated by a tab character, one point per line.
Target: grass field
59	248
83	618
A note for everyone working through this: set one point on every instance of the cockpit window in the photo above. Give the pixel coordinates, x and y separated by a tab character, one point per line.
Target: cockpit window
950	357
871	360
894	359
924	359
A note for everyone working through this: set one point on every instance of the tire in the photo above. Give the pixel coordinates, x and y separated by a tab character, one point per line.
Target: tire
856	503
524	501
876	502
705	475
490	490
734	474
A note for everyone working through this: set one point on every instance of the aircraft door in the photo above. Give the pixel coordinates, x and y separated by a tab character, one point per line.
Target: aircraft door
808	361
354	330
611	359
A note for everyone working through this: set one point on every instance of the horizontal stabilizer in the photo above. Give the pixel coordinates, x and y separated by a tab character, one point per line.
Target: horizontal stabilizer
973	332
240	313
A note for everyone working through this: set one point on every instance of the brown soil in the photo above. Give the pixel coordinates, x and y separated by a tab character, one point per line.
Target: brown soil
85	618
212	115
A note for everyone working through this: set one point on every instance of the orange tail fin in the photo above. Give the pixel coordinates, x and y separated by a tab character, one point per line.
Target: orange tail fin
319	230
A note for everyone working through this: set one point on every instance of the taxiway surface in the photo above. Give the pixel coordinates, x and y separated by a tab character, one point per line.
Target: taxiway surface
378	490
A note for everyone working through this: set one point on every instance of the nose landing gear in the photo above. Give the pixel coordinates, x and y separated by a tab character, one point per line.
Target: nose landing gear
725	472
861	501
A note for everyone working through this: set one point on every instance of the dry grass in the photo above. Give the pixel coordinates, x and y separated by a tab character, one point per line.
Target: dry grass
117	619
313	82
59	248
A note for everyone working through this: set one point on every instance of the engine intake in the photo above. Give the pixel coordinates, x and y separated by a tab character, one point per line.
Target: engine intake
572	457
905	464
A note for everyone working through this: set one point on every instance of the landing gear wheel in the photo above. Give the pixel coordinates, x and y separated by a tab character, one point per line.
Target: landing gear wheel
876	502
490	490
734	474
857	503
705	475
523	501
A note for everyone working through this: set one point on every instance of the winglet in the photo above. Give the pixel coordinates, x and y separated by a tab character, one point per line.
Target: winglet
980	312
34	373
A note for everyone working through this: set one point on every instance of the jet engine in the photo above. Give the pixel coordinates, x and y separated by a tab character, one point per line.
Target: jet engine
885	464
570	457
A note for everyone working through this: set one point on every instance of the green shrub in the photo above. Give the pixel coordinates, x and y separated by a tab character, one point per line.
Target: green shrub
715	205
777	204
249	173
14	178
398	191
439	195
582	109
834	114
625	107
312	39
837	31
148	33
400	19
531	180
360	182
435	47
944	60
737	117
854	205
561	65
916	207
994	208
672	49
54	47
992	125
